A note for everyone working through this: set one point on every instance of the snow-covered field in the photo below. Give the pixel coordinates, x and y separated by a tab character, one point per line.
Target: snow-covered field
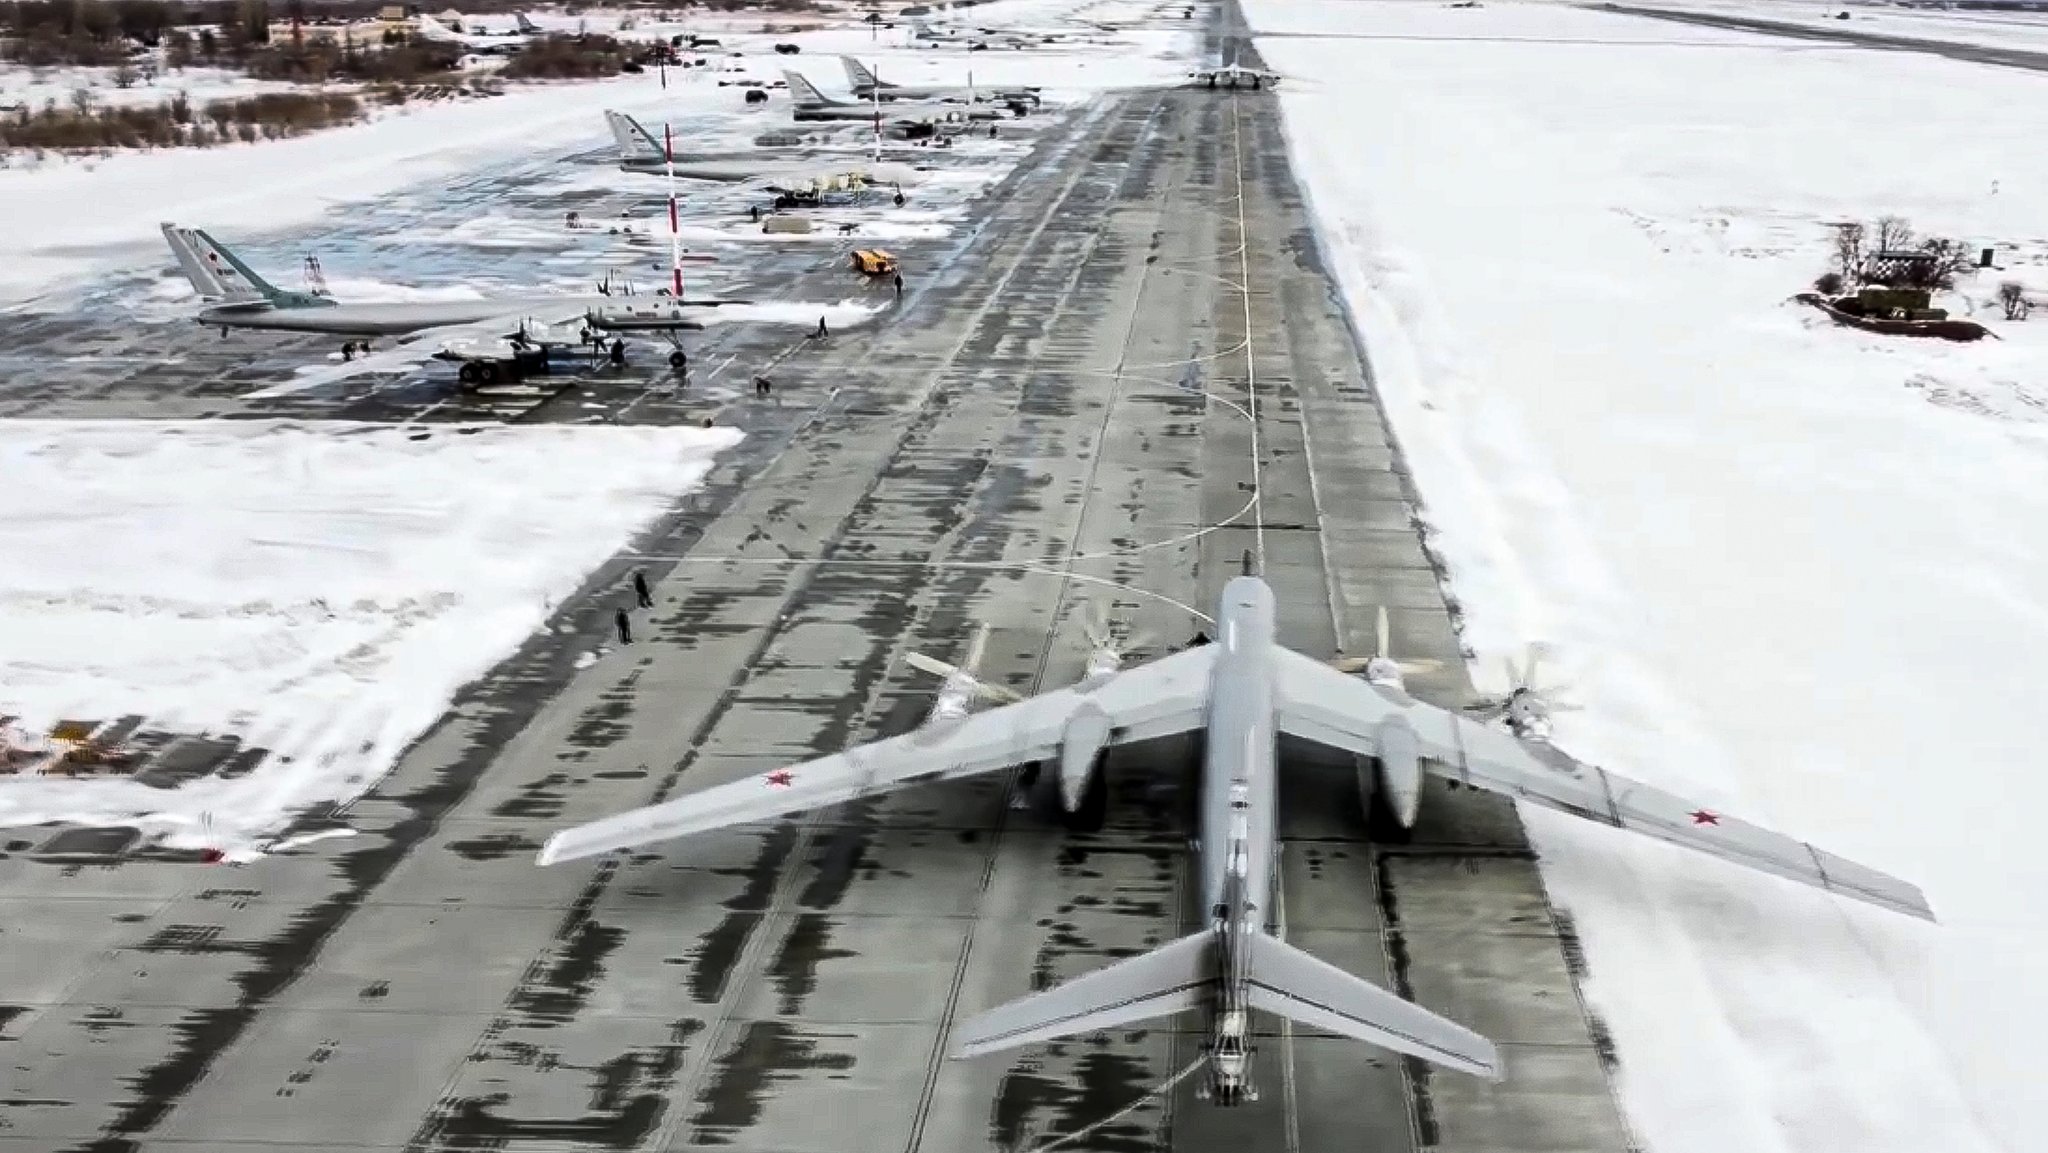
62	220
1792	569
318	590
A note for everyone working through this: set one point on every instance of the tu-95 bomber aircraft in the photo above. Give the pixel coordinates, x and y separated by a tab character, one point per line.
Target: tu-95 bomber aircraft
1242	693
811	104
639	151
868	86
490	338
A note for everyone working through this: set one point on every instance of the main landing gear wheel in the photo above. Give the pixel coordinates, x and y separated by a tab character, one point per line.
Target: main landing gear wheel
478	373
679	360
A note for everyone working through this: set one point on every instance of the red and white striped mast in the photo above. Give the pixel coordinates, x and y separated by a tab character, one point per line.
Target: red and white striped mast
675	227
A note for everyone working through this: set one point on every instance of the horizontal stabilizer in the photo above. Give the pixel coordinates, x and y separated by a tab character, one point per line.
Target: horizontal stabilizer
1170	979
1289	983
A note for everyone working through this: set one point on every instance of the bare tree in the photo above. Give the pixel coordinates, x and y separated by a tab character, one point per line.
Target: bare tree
124	77
1893	234
1849	251
2013	295
81	100
1947	259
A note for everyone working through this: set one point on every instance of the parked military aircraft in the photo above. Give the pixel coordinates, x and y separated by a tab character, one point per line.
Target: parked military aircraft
491	338
639	151
482	43
868	86
981	37
811	104
1234	75
1242	693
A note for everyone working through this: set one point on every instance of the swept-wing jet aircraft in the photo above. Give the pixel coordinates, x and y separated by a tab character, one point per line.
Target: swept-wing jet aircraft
482	43
639	151
1242	692
1008	38
490	338
868	86
1234	75
811	104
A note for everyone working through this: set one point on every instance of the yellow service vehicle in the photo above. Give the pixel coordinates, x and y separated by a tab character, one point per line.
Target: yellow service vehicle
874	262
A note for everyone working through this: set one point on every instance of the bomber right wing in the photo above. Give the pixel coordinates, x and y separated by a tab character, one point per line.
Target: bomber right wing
1159	699
1318	703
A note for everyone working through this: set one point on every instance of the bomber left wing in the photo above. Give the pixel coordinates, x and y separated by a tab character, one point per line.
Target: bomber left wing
1158	699
493	337
1318	703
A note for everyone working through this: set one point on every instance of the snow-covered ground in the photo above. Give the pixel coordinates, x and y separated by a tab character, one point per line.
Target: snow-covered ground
60	221
1791	569
317	590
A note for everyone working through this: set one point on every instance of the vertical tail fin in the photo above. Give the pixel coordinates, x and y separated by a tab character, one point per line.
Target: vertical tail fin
803	91
241	282
1176	976
525	25
1288	982
635	142
209	285
859	76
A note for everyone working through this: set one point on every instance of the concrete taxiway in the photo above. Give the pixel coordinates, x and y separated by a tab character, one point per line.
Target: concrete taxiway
1065	405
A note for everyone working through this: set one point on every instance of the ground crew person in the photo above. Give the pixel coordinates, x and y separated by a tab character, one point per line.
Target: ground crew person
619	353
821	326
899	284
762	386
625	624
640	589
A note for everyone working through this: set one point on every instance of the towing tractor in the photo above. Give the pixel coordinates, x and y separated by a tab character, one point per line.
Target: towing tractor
874	262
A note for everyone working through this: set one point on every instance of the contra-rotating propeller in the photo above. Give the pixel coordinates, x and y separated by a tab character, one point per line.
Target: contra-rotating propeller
1528	699
1108	635
1383	650
964	673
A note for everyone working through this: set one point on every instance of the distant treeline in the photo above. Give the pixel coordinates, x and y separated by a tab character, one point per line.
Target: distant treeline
177	122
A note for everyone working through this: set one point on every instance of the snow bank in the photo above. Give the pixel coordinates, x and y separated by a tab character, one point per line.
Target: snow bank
1792	569
321	591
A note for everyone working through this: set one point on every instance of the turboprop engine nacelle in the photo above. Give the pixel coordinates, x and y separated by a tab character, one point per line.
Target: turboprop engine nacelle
1081	745
1396	773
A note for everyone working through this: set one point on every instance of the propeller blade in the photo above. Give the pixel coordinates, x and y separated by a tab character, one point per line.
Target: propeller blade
1535	655
1141	639
1381	632
1095	624
975	648
1420	665
999	693
932	665
1349	664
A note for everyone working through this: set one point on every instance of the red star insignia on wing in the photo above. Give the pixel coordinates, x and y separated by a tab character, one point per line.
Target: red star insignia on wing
779	779
1703	817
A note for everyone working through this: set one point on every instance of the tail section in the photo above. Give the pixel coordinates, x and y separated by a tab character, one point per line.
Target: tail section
1289	983
804	92
211	286
239	281
1183	974
635	142
525	25
860	77
1177	976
